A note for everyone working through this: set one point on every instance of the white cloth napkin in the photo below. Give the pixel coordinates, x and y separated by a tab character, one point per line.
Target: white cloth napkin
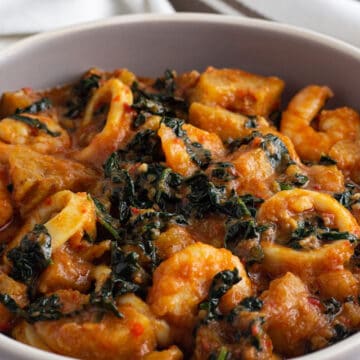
30	16
338	18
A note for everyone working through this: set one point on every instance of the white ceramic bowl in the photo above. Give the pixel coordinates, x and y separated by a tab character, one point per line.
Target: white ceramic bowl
149	44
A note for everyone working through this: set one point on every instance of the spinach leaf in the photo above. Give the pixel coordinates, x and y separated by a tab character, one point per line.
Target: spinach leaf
35	123
32	256
221	283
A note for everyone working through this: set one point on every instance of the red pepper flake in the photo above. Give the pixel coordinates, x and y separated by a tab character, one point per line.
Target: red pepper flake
314	301
135	211
137	329
317	187
127	107
116	98
255	330
257	141
48	201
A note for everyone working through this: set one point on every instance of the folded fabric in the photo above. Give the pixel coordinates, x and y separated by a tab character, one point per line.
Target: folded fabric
25	16
338	18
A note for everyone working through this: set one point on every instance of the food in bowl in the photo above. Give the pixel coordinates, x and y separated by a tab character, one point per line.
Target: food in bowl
183	216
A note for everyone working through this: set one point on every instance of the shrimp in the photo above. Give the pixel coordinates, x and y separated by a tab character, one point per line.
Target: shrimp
347	156
255	167
117	125
334	125
182	282
292	320
286	213
81	336
18	133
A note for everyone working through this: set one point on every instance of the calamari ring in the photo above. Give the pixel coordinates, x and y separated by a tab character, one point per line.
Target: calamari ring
64	214
117	122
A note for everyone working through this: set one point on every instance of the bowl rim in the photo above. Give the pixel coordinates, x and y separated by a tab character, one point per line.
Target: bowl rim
26	352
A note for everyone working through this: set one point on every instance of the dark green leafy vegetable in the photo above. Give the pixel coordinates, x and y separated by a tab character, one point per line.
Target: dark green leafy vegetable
222	282
251	122
326	160
81	94
36	107
162	103
238	230
237	143
251	303
222	354
197	153
44	308
300	180
275	118
166	84
145	146
32	256
223	171
276	152
285	186
341	332
317	229
111	224
347	197
120	282
35	123
332	306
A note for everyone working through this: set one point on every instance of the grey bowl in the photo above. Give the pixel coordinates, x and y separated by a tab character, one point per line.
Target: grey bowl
148	44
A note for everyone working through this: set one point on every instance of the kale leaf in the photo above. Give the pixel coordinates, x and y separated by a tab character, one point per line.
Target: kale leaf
36	107
35	123
326	160
32	255
111	224
197	153
43	308
81	94
221	283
